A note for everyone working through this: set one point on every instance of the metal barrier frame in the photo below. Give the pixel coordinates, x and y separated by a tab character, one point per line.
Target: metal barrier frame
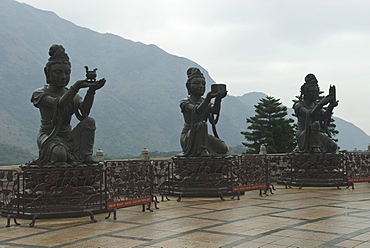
128	183
66	192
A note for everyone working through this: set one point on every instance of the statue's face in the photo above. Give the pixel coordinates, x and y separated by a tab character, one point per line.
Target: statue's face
59	75
312	93
198	86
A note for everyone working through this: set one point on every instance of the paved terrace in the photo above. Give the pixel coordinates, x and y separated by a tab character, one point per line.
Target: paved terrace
308	217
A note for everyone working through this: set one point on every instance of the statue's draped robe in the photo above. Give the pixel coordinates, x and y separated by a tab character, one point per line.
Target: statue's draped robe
309	135
55	129
194	136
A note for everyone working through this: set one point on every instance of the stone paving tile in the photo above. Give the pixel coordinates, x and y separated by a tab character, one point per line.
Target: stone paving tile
289	241
183	225
59	237
349	243
362	237
250	244
106	242
306	235
149	234
15	232
231	214
272	246
313	212
111	226
13	246
363	245
354	204
298	203
185	243
306	243
215	239
261	238
327	228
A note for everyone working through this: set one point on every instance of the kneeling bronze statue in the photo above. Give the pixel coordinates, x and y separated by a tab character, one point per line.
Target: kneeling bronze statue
195	140
313	119
59	144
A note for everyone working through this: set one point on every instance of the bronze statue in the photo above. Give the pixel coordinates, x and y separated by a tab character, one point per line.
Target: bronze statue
59	144
313	119
195	140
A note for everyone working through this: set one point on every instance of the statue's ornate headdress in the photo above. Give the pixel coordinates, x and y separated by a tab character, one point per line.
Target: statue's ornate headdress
57	56
192	73
310	80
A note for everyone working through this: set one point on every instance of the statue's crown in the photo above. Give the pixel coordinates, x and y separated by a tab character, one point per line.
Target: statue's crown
310	79
194	72
58	55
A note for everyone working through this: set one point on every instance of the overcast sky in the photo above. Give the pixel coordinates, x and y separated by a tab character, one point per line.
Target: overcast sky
250	45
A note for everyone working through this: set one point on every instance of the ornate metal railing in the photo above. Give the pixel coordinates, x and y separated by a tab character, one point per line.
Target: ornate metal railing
197	177
220	176
357	167
128	183
60	192
67	192
38	193
278	164
9	190
250	172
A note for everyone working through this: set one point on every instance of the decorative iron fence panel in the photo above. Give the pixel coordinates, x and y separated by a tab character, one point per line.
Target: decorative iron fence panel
197	177
61	192
250	172
127	180
278	165
315	170
357	166
9	191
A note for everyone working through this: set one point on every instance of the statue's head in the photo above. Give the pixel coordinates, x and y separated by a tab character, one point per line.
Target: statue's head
311	87
58	58
194	75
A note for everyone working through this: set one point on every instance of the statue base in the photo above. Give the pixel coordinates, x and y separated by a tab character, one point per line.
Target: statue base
50	192
314	170
198	177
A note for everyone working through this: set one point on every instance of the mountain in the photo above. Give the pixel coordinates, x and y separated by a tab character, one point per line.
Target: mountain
139	105
10	155
251	98
350	137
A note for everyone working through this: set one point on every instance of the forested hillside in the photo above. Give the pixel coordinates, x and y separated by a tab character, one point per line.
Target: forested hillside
11	155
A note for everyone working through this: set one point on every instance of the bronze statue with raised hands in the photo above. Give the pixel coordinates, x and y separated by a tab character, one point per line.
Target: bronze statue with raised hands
197	111
60	145
313	118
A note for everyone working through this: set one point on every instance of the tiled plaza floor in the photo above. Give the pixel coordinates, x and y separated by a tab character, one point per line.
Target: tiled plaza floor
308	217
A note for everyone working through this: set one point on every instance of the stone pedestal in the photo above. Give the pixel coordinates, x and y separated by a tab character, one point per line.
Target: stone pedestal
99	155
314	170
200	177
144	154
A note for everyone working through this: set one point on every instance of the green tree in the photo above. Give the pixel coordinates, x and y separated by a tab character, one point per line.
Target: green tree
269	127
